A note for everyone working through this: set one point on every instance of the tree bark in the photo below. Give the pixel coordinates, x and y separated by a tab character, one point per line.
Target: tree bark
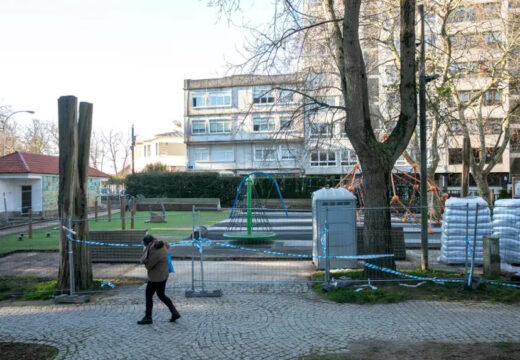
82	260
483	187
67	123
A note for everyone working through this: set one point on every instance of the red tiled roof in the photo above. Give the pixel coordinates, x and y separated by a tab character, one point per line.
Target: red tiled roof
27	163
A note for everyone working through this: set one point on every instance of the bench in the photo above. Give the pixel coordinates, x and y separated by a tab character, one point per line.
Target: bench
398	245
177	204
113	254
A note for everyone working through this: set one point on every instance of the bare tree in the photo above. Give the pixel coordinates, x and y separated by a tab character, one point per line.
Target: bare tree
333	28
98	150
118	149
39	137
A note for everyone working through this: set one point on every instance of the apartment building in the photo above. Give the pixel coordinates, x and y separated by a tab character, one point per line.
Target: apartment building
239	124
166	148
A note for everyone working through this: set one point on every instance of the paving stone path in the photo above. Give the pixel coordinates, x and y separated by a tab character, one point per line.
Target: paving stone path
249	322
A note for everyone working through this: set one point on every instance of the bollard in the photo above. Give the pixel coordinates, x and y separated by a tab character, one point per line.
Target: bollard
96	210
123	208
109	210
30	230
491	253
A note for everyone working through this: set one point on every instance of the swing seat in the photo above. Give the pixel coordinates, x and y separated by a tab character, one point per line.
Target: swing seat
246	235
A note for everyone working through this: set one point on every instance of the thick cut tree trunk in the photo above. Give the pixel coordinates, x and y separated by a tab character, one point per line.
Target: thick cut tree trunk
67	126
82	261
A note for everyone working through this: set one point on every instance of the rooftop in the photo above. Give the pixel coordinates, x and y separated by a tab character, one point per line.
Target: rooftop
28	163
241	80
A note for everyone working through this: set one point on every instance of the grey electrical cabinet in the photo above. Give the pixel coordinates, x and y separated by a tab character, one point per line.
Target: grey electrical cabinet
335	209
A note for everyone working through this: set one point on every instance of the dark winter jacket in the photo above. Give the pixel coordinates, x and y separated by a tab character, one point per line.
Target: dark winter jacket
155	259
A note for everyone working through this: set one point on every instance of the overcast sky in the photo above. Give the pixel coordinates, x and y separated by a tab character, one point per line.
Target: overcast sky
128	57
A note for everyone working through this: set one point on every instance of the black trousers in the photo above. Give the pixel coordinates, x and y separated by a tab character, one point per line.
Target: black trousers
157	287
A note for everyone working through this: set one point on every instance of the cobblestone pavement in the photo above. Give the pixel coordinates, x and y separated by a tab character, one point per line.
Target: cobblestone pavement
248	322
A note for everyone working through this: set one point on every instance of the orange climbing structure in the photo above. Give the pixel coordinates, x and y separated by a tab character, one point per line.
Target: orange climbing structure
437	197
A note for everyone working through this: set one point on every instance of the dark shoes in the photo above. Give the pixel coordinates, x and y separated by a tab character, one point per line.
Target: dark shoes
145	321
175	316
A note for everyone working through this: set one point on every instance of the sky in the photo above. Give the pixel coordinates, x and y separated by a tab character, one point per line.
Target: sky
127	57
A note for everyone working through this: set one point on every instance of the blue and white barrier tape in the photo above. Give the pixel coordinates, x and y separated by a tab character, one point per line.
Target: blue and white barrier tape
201	242
398	273
108	283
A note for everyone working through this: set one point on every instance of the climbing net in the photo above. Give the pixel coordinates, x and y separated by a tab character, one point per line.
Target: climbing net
353	182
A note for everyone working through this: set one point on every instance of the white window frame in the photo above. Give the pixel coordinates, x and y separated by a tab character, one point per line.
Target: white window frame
220	94
193	127
198	150
282	94
223	123
228	151
269	122
351	159
206	96
323	163
201	95
265	96
265	150
287	153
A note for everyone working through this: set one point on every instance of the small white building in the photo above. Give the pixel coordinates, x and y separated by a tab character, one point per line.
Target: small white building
31	181
167	148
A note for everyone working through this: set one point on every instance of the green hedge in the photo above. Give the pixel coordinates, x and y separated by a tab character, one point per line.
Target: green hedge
212	185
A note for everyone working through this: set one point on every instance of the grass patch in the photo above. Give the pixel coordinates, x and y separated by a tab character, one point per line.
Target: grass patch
31	288
383	350
17	351
178	227
392	292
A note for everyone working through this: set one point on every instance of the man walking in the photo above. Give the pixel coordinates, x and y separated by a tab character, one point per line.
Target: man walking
155	259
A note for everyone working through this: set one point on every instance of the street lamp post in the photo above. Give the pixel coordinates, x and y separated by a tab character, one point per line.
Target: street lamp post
5	123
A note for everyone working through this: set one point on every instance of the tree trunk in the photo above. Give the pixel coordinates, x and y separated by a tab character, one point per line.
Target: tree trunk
483	187
377	221
82	261
67	123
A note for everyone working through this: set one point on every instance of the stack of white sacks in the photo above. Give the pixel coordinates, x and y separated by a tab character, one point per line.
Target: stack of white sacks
458	228
506	226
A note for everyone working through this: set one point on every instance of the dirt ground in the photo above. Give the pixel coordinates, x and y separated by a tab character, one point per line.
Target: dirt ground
381	350
22	351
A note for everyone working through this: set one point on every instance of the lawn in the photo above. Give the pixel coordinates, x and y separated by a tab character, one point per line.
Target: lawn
393	292
177	227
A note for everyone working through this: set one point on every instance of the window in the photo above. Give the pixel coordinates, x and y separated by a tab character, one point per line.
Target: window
263	95
200	154
321	130
198	127
492	97
265	154
464	97
490	10
287	153
286	96
163	149
455	156
263	124
286	123
222	154
211	99
219	126
463	14
323	158
493	38
198	100
348	157
220	98
147	150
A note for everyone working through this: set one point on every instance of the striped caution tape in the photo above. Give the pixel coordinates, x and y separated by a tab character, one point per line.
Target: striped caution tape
398	273
206	242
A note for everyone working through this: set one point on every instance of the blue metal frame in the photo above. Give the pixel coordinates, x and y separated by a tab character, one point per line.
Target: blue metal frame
258	173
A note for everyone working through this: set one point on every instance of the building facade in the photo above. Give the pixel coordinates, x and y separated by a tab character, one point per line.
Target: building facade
167	148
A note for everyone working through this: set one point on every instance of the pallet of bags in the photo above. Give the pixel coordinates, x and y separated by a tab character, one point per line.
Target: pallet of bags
461	222
506	227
